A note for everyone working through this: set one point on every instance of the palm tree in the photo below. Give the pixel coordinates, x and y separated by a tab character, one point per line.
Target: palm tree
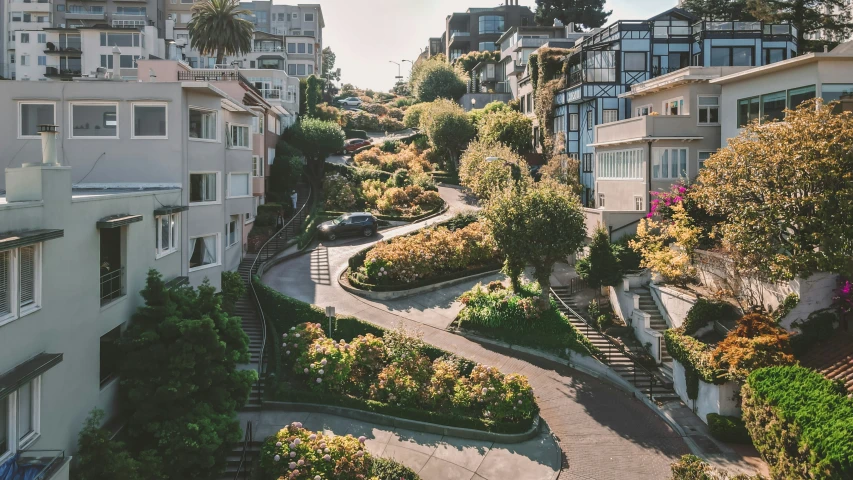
216	26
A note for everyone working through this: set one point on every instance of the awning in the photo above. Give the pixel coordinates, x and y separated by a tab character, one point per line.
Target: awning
11	240
23	373
169	210
281	110
116	221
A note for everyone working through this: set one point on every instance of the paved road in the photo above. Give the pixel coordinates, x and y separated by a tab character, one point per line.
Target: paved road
603	433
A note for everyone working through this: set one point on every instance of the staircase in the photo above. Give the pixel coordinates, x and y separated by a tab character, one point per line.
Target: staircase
613	355
246	309
657	322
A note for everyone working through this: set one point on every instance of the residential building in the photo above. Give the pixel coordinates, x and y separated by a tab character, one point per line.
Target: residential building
845	8
478	29
608	61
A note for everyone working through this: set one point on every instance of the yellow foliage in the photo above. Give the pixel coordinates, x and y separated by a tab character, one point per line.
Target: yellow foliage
667	247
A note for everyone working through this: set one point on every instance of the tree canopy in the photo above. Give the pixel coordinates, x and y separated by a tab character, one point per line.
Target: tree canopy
448	127
583	13
435	79
513	129
484	178
470	60
539	226
720	9
328	72
313	95
785	190
808	16
601	267
316	140
216	27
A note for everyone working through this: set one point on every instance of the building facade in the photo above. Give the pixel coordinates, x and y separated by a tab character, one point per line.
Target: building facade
518	43
478	29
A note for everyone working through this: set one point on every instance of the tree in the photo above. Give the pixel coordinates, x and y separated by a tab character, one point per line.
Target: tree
513	129
656	238
720	9
328	72
402	89
479	114
470	60
561	168
100	458
313	95
316	140
179	382
216	27
448	128
484	178
601	267
808	16
585	13
786	192
435	80
303	96
756	342
539	226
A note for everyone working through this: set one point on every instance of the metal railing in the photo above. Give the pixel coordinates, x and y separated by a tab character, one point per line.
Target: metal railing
112	285
247	441
613	347
47	460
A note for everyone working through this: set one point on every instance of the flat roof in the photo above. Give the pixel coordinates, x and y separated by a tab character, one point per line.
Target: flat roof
783	65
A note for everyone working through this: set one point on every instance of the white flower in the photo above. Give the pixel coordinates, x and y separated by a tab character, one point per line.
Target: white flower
381	269
325	450
278	444
323	361
327	457
319	452
305	370
292	445
313	436
283	344
519	402
321	371
287	352
292	328
296	441
319	380
292	465
323	445
485	390
300	462
292	454
277	458
362	439
296	335
318	477
283	335
297	424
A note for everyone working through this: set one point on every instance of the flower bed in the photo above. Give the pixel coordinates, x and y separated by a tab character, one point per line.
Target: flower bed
409	200
497	311
410	158
425	257
299	454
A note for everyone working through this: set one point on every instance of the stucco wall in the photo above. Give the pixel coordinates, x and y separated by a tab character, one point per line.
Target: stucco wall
712	398
673	304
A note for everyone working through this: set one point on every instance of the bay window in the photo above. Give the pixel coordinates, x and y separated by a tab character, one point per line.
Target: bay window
673	107
773	106
231	231
669	163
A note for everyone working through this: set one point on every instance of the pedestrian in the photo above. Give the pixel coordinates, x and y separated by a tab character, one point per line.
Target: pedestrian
279	222
293	197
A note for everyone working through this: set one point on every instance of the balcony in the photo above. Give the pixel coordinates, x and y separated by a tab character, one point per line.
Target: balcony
268	49
531	43
112	284
709	29
38	6
648	128
271	93
70	49
56	72
43	464
460	37
86	14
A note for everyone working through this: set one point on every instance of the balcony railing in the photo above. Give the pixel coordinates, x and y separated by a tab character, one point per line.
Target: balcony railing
112	285
268	49
226	74
273	93
39	464
658	71
575	78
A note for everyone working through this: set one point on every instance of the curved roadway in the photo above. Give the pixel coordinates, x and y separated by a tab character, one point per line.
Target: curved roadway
603	433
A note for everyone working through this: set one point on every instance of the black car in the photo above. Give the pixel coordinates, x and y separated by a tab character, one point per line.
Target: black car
360	223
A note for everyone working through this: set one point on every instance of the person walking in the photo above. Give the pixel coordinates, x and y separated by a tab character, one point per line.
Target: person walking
293	197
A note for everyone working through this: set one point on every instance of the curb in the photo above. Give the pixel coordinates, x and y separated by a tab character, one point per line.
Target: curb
397	422
396	294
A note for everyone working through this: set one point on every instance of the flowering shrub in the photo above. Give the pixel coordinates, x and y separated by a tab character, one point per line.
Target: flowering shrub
326	365
497	306
296	341
409	158
844	297
340	194
295	453
400	382
360	120
375	108
390	124
368	353
662	202
442	383
667	246
756	342
396	114
427	254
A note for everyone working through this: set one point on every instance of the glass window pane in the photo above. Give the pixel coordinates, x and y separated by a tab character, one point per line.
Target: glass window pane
840	92
635	61
239	184
772	106
25	410
683	163
665	164
742	56
800	95
149	121
709	100
165	233
720	57
4	427
94	120
27	267
33	115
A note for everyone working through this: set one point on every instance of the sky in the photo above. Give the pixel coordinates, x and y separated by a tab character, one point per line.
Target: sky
367	34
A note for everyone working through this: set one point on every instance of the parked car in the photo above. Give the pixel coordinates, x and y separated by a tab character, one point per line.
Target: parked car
354	144
349	224
350	102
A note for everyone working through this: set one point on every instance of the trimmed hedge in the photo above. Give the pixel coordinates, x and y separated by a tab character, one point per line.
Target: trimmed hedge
728	429
693	355
358	173
704	312
422	283
800	423
383	469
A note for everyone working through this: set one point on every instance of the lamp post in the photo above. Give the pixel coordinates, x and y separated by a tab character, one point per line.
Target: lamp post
514	169
412	68
330	312
399	76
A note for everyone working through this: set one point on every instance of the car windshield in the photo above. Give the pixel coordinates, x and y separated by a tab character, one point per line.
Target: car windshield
340	219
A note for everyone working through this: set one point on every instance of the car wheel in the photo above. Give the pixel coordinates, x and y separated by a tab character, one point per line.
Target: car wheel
331	236
368	232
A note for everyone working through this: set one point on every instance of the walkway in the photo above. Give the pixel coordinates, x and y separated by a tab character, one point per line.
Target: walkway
603	433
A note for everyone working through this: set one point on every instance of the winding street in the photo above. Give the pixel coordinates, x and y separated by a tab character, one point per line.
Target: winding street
602	432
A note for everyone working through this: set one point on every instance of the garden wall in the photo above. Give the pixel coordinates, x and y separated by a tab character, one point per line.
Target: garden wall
712	398
815	293
624	305
673	304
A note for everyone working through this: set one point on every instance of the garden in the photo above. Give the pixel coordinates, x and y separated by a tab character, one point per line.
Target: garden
392	372
456	248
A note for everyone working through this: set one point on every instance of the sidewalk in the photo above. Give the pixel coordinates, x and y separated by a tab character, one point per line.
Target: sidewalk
433	457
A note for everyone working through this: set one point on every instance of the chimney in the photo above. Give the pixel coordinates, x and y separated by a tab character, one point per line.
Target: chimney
116	63
826	49
48	145
570	28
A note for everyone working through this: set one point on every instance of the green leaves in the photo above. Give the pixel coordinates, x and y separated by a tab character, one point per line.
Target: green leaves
436	79
216	28
601	267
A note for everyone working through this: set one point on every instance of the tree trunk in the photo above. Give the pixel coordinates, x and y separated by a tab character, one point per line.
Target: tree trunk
513	269
543	276
220	56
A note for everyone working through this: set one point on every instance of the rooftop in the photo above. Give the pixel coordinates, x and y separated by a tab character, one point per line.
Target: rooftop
836	55
680	77
833	359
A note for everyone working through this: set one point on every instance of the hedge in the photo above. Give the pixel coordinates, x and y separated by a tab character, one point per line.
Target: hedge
420	283
728	429
704	312
358	172
353	133
693	355
800	423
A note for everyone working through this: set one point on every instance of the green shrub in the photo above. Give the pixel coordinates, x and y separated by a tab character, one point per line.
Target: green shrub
385	469
820	326
269	213
728	429
799	422
400	178
629	259
390	146
691	467
693	354
100	458
233	289
786	306
461	220
703	312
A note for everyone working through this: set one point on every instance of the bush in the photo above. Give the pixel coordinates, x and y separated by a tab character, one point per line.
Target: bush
294	449
391	146
412	118
100	458
820	326
461	220
233	289
437	79
728	429
629	258
390	124
694	355
396	114
482	178
328	113
786	306
512	129
360	120
404	102
703	312
691	467
755	342
799	422
375	108
339	193
385	469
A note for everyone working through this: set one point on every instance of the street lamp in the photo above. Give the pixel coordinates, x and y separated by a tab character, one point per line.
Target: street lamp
399	75
514	169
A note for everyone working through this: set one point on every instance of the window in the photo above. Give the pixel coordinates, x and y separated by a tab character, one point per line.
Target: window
125	61
25	60
635	62
250	216
186	17
20	420
309	69
238	185
709	110
300	48
42	37
731	57
838	92
202	124
31	115
587	163
24	38
300	69
621	164
204	252
291	69
294	15
642	110
309	33
600	200
589	119
42	60
797	96
638	203
94	120
487	46
203	187
773	106
4	428
677	60
310	47
609	115
773	55
747	110
491	24
166	236
239	136
110	355
231	231
309	17
120	39
257	166
673	107
573	122
702	157
149	120
669	163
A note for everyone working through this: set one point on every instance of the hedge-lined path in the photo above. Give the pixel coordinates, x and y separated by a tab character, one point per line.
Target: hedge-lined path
603	433
433	456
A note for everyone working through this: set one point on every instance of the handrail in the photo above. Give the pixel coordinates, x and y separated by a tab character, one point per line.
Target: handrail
247	440
611	345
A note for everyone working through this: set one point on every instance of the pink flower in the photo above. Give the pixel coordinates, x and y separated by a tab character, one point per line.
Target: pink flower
278	444
292	465
276	458
327	457
292	454
362	439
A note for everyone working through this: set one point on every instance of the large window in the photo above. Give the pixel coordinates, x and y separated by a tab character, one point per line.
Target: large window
203	187
94	120
202	124
773	55
622	164
166	234
125	61
20	418
491	24
731	57
487	46
709	110
149	120
110	355
669	163
120	40
643	110
635	62
838	92
573	122
309	17
674	107
600	66
33	114
609	115
238	185
797	96
773	106
747	110
20	282
204	251
232	232
239	136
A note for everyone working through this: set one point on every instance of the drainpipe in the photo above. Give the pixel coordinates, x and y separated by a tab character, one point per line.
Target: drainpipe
649	179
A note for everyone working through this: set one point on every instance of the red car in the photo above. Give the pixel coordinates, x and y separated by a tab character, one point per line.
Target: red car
354	144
